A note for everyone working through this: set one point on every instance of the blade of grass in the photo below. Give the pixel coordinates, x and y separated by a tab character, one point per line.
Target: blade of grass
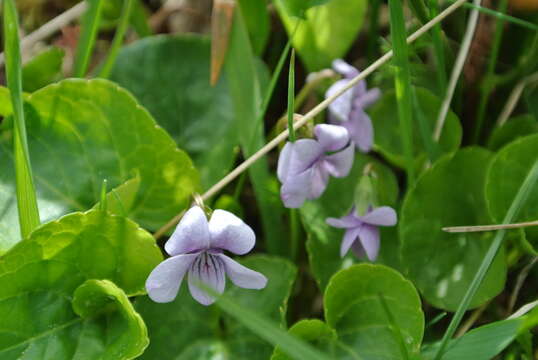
90	25
519	200
439	48
266	329
26	194
291	95
103	203
487	84
402	81
373	31
118	38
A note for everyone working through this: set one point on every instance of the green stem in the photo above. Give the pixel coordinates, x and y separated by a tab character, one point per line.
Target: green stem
519	200
118	39
26	194
90	26
402	83
439	49
291	96
294	234
487	87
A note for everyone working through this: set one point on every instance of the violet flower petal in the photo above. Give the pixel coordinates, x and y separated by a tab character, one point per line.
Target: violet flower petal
381	216
369	237
360	129
349	238
164	281
368	98
318	182
241	275
358	250
340	108
304	154
331	137
339	164
296	189
284	160
346	222
191	234
230	233
209	270
342	67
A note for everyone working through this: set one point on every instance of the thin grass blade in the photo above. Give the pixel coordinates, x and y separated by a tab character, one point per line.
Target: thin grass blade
90	27
118	38
26	194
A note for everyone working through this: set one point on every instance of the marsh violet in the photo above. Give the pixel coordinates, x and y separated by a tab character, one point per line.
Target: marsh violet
304	166
197	247
348	110
364	228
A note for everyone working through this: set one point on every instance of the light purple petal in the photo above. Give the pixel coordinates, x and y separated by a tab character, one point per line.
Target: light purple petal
319	181
349	238
296	189
230	233
163	283
331	137
361	130
191	234
241	275
342	67
340	108
348	221
369	237
368	98
381	216
358	250
304	153
209	270
339	164
284	160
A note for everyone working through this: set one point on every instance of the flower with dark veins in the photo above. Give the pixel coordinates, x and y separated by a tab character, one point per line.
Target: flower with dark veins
365	228
348	109
304	166
197	247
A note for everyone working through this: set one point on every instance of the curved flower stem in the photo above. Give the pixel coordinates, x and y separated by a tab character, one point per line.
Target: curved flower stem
456	70
310	115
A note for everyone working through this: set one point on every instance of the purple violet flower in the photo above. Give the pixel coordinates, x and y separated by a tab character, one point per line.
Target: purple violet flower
304	166
348	109
197	246
365	228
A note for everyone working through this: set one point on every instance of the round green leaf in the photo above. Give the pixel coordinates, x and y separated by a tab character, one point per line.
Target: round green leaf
327	32
199	117
323	244
514	129
81	132
505	175
442	265
354	309
39	275
388	139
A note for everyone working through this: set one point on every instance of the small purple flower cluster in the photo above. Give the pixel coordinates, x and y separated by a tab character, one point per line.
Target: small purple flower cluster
197	245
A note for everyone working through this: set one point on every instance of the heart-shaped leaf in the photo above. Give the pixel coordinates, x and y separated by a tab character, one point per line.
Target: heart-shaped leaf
81	132
441	264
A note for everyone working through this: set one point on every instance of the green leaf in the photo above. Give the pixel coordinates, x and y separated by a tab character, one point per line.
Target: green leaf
298	8
209	331
328	31
177	72
353	308
246	90
25	190
257	21
85	131
44	69
39	275
315	332
90	28
120	201
513	129
483	343
323	244
388	140
505	175
441	264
